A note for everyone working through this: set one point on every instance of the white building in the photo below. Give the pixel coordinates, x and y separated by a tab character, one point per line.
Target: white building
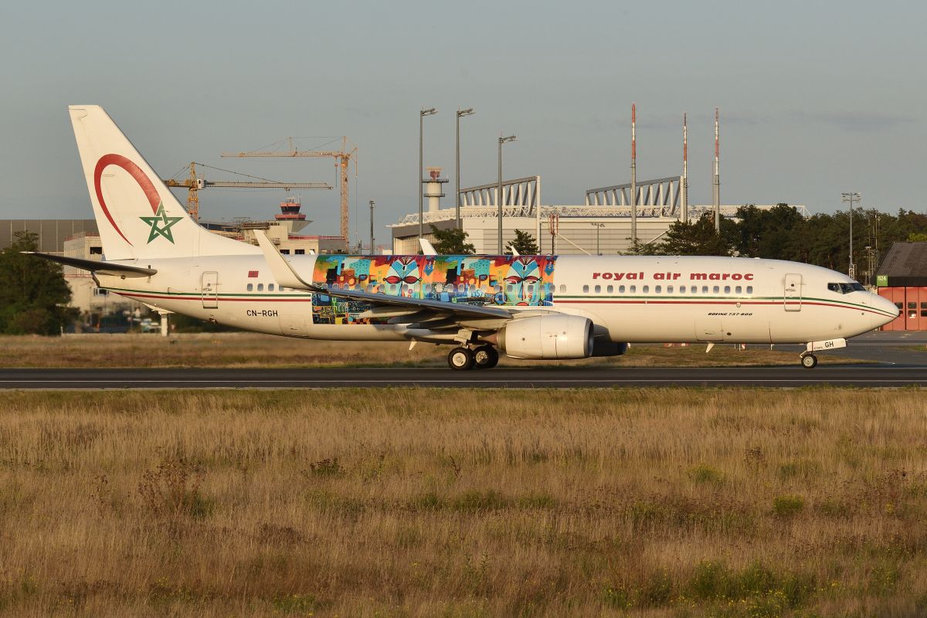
603	225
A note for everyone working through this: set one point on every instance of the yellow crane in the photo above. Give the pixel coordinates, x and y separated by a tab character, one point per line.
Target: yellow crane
342	162
194	183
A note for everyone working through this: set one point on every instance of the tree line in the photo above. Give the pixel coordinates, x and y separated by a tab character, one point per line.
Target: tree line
783	233
33	292
778	233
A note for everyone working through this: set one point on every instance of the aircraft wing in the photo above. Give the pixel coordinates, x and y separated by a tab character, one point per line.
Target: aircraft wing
286	276
459	309
99	266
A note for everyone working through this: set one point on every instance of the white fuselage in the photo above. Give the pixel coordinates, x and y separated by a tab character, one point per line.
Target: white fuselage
628	298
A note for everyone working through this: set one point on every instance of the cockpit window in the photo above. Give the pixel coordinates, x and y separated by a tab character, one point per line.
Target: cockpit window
846	288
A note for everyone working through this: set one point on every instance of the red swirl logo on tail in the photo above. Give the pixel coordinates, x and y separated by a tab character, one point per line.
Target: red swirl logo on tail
136	172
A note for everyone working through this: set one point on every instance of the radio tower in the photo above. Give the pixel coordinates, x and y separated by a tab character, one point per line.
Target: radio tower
716	182
685	170
633	175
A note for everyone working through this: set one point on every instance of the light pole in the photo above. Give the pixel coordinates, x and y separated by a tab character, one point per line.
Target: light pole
421	117
598	227
851	197
869	269
460	113
371	228
502	140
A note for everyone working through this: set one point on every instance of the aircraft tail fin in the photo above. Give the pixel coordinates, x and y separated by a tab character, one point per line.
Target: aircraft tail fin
137	215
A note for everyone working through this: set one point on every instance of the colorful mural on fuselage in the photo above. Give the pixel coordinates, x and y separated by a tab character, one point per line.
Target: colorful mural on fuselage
472	279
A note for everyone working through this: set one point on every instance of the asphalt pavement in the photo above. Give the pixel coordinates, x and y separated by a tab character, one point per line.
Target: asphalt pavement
892	359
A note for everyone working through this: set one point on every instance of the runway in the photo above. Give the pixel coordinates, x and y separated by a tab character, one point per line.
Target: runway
867	375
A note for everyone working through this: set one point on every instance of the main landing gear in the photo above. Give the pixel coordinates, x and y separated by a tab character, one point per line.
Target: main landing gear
480	357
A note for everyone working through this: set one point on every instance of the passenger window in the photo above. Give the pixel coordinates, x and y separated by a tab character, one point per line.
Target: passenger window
633	289
749	289
704	289
250	286
738	290
585	289
658	289
270	287
598	289
610	289
646	289
260	287
717	289
621	289
682	289
669	289
563	288
727	289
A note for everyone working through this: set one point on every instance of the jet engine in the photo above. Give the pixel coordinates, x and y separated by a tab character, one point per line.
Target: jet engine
547	337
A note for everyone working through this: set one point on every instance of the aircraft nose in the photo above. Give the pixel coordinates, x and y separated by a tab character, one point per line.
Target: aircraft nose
884	305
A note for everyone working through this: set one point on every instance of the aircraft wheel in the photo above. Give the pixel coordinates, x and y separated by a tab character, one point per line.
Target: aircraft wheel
485	357
809	361
460	359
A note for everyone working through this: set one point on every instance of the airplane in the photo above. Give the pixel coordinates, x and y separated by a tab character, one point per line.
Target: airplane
539	307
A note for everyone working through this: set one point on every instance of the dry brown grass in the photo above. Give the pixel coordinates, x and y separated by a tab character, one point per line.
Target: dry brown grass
254	350
422	502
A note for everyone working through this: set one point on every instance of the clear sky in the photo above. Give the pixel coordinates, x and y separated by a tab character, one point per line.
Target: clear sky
816	98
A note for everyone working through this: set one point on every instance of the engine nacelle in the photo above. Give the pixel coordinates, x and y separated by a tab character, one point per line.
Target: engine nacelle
547	337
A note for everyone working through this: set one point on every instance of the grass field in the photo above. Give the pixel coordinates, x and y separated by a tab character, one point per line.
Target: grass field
254	350
437	502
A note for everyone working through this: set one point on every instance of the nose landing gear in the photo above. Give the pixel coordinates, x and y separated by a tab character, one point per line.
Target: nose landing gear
809	360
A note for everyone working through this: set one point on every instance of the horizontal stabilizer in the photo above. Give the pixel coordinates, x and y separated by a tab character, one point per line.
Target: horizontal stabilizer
97	266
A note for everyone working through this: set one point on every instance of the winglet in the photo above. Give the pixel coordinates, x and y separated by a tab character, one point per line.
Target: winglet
427	247
282	270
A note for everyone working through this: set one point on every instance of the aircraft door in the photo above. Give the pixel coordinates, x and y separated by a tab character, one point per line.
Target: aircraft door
792	294
210	289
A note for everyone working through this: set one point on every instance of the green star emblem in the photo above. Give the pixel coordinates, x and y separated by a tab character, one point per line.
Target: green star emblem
165	224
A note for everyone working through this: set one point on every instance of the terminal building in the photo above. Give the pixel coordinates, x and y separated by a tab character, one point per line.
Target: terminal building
603	225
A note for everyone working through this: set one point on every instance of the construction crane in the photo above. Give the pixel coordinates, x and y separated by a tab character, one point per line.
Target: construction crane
194	183
342	161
